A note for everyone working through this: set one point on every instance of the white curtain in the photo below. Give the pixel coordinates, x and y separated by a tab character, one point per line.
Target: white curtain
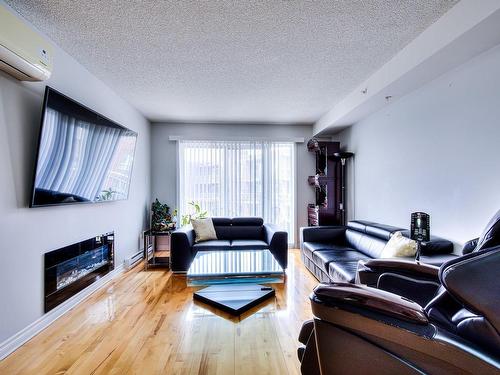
75	156
240	178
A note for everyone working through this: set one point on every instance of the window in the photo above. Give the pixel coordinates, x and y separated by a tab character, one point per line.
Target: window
243	178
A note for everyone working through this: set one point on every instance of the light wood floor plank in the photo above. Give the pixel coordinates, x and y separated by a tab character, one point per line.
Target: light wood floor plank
146	322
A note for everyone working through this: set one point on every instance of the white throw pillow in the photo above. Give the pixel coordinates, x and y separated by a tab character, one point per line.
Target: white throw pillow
399	246
204	229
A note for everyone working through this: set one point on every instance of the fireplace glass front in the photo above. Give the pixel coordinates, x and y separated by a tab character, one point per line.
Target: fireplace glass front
72	268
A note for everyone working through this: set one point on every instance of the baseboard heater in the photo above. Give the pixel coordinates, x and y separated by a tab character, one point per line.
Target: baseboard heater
134	259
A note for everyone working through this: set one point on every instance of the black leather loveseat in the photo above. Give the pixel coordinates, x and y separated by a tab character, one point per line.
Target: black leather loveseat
332	253
239	233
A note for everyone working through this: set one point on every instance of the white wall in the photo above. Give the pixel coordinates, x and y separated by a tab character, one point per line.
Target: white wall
27	233
164	156
434	150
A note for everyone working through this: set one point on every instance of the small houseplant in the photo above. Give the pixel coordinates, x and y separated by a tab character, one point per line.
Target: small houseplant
161	218
197	214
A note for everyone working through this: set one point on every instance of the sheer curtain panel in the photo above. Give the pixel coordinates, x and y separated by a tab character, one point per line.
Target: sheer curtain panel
240	178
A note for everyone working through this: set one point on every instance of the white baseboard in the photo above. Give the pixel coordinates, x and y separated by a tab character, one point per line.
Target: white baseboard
21	337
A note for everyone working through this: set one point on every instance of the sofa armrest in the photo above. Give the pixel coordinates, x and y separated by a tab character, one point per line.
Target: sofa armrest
370	270
346	295
330	234
416	281
469	246
185	233
394	265
181	254
277	240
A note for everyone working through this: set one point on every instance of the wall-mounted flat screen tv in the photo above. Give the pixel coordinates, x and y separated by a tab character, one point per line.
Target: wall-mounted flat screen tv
83	157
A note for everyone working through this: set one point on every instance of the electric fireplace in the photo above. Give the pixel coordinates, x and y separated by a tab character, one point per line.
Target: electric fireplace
72	268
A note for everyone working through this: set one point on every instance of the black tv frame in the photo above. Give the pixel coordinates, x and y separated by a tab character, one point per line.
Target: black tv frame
49	89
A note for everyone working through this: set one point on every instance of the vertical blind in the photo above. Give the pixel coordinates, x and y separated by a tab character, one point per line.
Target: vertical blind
239	178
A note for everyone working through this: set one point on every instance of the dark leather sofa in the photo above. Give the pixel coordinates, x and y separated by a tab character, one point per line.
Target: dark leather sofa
239	233
455	330
332	253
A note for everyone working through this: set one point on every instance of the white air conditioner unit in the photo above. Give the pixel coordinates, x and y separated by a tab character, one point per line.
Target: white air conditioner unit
24	54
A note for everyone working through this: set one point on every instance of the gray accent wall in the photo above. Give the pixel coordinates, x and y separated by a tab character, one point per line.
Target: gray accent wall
164	155
434	150
27	233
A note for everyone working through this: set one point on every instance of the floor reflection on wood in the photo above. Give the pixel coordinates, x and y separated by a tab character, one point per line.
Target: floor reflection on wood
146	322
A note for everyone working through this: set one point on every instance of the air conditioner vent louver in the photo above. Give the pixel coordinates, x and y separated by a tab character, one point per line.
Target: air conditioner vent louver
24	54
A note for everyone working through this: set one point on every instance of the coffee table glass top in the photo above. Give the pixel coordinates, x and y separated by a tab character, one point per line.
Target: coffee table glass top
234	263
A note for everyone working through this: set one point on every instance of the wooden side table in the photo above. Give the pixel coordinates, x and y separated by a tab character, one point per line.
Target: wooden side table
153	256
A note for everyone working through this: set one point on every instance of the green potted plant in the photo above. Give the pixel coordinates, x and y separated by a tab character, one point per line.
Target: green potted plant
197	214
161	218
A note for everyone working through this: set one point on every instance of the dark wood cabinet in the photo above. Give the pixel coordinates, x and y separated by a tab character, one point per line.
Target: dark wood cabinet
326	210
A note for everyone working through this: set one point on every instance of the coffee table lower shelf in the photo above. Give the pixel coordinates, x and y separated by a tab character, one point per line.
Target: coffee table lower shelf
234	298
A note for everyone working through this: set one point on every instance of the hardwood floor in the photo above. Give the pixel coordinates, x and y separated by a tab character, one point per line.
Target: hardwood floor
146	322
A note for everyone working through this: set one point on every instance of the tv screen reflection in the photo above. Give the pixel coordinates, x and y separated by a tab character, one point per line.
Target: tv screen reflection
83	157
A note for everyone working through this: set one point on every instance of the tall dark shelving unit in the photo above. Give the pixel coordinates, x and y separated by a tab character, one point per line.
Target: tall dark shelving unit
326	210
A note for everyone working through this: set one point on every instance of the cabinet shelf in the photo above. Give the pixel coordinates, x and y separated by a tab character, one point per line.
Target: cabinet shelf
327	185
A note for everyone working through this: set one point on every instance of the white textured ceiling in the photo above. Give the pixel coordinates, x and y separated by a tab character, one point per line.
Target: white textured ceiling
262	61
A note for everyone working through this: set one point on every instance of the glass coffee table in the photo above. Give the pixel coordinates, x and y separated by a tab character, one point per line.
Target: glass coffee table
232	266
234	277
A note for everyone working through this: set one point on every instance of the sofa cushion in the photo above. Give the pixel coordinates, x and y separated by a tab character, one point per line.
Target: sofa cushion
308	248
249	228
371	246
323	257
381	231
313	246
212	245
368	244
222	227
221	221
436	245
247	221
343	271
247	233
248	245
224	232
357	225
203	229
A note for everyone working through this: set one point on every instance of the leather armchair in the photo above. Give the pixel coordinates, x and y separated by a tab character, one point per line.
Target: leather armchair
359	329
